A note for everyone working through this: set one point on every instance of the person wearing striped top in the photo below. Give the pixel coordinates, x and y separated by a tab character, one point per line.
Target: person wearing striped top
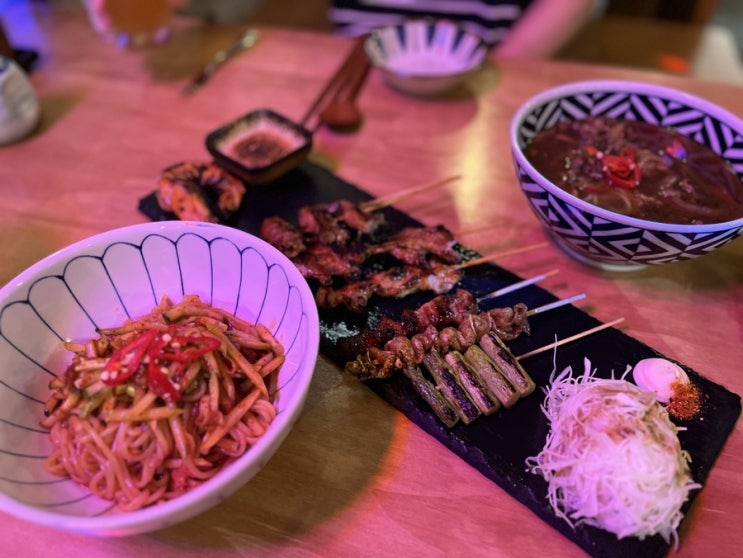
514	28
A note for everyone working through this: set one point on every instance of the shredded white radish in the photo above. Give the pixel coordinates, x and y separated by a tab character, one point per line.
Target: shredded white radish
612	458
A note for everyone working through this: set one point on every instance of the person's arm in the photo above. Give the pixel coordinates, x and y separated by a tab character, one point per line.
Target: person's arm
545	27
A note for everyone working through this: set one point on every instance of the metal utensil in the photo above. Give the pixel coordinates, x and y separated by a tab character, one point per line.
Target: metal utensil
246	40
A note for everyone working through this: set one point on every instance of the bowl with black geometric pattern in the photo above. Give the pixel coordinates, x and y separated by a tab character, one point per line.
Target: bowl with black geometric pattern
100	282
607	239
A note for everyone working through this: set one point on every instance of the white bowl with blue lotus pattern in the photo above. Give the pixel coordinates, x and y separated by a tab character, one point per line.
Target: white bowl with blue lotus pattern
102	281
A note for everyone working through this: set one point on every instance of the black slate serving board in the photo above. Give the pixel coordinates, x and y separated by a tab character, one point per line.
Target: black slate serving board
498	445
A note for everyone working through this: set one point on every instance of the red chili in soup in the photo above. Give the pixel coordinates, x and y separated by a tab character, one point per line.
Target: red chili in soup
638	169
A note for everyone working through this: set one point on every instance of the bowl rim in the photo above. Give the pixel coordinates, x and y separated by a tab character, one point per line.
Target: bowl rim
478	61
228	480
628	86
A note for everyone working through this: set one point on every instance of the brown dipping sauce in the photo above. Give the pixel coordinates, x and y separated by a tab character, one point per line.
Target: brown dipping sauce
260	149
638	169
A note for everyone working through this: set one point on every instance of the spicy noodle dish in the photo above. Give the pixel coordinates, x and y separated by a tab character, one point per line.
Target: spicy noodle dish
151	409
638	169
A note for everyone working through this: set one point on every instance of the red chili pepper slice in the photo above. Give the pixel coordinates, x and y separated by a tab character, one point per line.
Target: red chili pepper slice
620	170
168	352
124	362
159	381
169	355
190	348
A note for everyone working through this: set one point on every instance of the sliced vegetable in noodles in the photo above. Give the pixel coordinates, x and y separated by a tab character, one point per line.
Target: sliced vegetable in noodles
151	409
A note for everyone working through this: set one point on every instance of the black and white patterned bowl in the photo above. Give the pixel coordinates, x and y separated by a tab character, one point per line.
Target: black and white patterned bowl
101	281
603	238
425	57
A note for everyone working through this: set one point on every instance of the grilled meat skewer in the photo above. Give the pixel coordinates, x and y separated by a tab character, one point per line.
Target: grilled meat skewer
412	245
395	282
440	311
409	349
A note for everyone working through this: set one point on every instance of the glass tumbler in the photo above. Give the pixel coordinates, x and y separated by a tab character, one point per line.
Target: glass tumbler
131	23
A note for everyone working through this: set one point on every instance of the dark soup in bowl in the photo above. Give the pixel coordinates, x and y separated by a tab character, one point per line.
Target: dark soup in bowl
638	169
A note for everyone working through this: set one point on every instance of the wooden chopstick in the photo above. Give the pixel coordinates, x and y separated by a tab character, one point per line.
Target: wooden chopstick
334	84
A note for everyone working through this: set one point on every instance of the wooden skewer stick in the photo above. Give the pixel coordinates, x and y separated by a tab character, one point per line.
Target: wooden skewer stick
569	339
517	286
379	203
498	255
556	304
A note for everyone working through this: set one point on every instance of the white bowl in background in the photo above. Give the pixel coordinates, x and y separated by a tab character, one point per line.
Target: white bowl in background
423	57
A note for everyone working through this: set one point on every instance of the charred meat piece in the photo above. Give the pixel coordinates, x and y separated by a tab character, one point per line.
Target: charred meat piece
353	345
337	222
399	352
321	226
373	363
354	296
396	282
414	245
401	281
509	322
440	311
282	235
350	215
323	263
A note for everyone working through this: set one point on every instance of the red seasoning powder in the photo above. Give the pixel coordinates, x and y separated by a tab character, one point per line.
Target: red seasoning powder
685	401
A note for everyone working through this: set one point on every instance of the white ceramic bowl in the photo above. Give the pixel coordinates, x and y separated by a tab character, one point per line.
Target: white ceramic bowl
100	282
602	238
422	57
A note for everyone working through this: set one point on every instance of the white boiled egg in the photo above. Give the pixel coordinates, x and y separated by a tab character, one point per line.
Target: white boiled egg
658	375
